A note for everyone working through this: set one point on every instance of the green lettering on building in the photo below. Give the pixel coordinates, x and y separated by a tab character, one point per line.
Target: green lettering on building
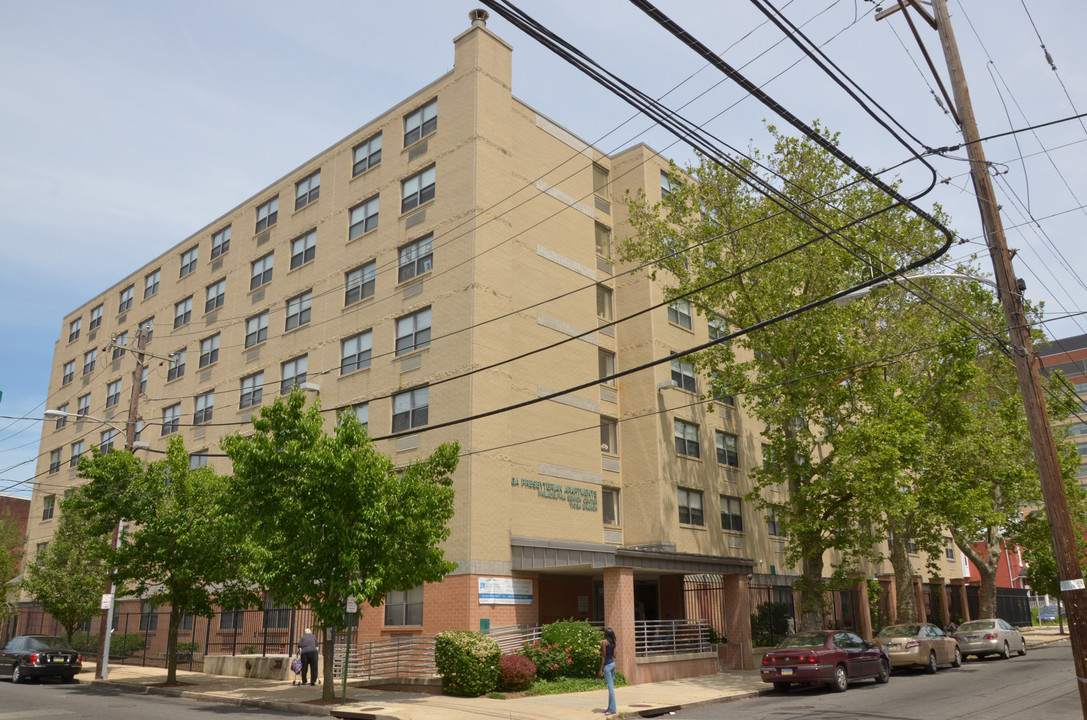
578	498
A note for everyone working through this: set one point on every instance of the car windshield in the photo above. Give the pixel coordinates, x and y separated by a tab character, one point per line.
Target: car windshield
900	631
977	625
804	640
47	643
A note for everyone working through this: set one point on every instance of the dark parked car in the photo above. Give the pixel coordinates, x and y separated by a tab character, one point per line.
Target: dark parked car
36	656
828	657
1049	613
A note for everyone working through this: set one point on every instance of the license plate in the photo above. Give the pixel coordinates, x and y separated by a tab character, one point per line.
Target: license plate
786	671
60	659
892	646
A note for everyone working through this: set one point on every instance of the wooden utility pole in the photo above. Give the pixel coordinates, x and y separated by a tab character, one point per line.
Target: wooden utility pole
1073	594
101	666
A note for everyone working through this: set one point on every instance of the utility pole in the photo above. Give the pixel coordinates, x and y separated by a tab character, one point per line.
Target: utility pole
1073	594
105	630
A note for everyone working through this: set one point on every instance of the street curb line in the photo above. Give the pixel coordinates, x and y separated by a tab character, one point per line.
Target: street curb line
300	708
654	712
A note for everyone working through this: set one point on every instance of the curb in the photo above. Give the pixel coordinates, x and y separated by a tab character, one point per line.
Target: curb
664	709
288	707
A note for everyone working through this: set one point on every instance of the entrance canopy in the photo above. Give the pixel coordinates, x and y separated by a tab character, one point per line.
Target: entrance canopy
538	555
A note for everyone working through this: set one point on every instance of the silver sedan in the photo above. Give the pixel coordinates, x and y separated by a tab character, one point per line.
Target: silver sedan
991	636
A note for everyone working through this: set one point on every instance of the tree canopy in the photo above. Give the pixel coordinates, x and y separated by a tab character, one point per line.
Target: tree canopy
329	516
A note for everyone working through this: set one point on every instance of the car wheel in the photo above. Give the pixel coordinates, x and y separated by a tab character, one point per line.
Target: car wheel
1006	652
957	662
781	687
884	671
68	678
841	680
930	668
1023	650
16	674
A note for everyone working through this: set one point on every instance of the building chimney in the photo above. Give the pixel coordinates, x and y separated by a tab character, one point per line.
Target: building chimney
478	17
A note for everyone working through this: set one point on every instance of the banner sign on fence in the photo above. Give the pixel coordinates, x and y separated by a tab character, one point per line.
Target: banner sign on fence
505	591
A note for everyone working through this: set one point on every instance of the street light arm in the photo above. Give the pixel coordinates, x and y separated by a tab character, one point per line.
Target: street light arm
862	292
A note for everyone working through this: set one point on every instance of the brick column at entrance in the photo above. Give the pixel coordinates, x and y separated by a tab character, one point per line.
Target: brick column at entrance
919	598
736	599
619	616
945	604
892	599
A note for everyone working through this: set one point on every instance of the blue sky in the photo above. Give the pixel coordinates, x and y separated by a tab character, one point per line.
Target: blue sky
128	125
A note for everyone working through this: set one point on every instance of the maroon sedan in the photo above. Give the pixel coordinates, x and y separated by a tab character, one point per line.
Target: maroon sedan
825	657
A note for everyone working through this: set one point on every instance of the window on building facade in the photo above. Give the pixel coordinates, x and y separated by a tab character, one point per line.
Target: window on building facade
77	450
215	296
293	372
362	412
609	435
54	461
420	123
404	607
364	217
720	391
69	372
96	318
600	181
252	390
609	506
690	507
183	312
366	155
62	420
727	449
603	241
48	503
176	366
683	374
143	379
773	525
113	393
203	408
298	310
679	313
413	332
256	329
171	418
120	342
73	329
666	184
307	190
359	283
687	439
606	366
83	405
89	359
197	460
220	242
148	326
151	283
949	548
124	302
267	214
411	409
717	326
416	258
732	515
355	352
209	350
260	271
417	189
188	261
149	617
105	440
603	303
303	249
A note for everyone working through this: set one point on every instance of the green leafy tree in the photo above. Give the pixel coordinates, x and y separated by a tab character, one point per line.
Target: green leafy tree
330	516
717	236
182	545
11	542
68	576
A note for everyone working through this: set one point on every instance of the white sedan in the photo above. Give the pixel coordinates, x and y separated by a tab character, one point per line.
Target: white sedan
991	636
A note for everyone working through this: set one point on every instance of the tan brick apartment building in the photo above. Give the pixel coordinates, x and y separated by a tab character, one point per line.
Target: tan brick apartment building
1069	356
456	231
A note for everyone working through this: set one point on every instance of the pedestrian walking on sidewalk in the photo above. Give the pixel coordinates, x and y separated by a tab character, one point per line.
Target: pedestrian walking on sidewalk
307	649
607	667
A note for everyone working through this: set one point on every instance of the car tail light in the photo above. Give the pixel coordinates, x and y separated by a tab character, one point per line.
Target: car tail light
990	636
913	644
33	658
79	658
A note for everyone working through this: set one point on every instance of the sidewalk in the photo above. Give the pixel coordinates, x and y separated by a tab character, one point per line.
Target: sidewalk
638	700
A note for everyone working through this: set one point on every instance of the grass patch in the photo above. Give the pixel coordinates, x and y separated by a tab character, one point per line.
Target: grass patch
561	685
496	696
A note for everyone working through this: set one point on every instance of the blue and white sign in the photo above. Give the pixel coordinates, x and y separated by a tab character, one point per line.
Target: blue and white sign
505	591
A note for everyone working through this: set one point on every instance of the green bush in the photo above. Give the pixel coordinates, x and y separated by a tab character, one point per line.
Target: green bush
581	643
573	685
551	661
467	661
121	645
770	623
516	673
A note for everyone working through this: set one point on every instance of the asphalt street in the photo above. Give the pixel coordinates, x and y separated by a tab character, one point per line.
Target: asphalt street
1041	684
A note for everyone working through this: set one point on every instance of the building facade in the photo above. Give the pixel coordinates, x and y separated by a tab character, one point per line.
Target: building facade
449	259
1069	356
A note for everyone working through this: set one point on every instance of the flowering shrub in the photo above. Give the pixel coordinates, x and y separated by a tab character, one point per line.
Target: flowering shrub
468	662
552	661
582	643
516	673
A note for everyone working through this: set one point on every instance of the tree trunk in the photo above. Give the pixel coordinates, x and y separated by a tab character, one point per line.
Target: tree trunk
328	689
171	645
986	565
811	603
906	604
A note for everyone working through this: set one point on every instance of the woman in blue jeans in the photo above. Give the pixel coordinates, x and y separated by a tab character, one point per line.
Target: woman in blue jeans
607	667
